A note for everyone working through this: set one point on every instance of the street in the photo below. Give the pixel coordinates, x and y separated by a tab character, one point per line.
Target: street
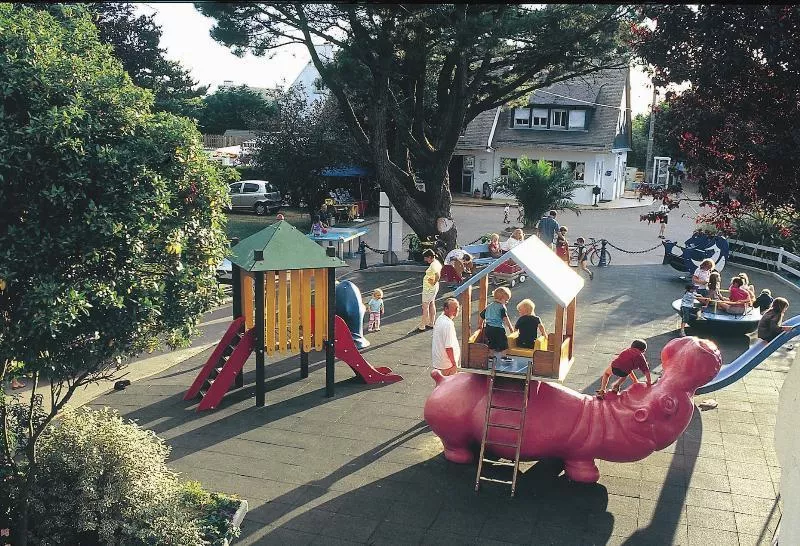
621	227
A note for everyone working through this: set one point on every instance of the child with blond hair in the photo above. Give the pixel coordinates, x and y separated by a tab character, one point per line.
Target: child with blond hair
375	306
529	325
494	246
494	321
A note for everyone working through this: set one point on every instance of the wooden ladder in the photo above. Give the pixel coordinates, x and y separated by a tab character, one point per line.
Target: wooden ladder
493	388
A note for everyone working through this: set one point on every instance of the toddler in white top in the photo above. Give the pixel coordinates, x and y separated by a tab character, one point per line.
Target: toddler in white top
375	306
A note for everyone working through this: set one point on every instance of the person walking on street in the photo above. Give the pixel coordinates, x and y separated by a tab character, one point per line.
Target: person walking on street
547	228
430	288
445	350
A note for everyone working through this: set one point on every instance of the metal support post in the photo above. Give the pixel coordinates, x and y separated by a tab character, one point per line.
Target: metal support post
603	262
362	249
259	290
330	379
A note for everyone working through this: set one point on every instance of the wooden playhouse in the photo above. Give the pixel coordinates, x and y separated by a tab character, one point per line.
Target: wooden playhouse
551	357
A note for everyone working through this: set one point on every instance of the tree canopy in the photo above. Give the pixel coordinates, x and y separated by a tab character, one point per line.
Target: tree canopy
136	40
409	77
739	117
299	143
234	108
112	221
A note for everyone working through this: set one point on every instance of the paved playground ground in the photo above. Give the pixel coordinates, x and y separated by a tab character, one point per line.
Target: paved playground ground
363	467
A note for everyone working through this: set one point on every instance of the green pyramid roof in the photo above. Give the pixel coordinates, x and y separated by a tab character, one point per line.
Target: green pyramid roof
284	247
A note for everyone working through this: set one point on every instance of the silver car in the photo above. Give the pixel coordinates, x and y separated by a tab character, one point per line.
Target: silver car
257	195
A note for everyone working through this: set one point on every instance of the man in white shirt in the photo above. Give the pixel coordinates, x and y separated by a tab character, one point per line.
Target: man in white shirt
446	352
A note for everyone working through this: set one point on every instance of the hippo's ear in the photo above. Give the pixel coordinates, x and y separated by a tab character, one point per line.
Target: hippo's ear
668	404
641	415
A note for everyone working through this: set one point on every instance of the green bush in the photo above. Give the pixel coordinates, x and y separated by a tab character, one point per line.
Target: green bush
102	480
538	187
780	228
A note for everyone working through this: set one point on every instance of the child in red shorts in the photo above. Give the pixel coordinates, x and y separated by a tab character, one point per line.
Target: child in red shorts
623	365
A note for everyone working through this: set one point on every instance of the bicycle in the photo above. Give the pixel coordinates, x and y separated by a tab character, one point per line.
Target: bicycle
594	250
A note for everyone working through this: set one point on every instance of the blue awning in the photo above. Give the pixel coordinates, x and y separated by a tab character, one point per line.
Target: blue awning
346	171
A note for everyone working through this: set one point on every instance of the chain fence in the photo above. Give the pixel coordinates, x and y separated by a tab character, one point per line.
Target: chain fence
659	245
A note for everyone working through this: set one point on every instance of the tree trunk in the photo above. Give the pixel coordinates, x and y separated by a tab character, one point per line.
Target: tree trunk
420	210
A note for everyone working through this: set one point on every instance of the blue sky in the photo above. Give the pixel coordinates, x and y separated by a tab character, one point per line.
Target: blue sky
186	39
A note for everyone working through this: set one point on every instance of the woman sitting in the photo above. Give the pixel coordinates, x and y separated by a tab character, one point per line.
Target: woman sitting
494	246
517	236
739	297
460	260
771	324
714	301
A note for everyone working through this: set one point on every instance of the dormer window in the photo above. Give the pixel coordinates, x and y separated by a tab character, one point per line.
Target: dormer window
539	118
558	119
522	117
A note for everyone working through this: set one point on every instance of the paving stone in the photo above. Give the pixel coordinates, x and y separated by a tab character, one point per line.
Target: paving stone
395	533
757	525
701	536
708	499
366	455
710	518
713	482
752	488
755	540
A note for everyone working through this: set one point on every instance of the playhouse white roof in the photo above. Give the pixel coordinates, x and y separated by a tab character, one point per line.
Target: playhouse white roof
540	264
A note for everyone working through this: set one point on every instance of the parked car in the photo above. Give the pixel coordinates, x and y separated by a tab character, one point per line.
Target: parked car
225	272
257	195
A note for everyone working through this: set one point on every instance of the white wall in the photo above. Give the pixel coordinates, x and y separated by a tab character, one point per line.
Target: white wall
583	195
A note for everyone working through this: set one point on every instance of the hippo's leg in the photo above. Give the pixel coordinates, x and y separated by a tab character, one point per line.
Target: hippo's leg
461	455
581	470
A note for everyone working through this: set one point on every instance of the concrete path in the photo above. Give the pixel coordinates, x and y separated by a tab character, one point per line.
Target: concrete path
363	468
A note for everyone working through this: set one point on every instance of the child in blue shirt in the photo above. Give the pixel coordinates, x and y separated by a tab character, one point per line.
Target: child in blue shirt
688	310
375	306
495	320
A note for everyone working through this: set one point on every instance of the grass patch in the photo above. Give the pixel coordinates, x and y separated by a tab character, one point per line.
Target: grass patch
241	224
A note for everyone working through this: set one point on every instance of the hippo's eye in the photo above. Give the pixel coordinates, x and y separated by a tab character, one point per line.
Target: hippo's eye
641	415
668	404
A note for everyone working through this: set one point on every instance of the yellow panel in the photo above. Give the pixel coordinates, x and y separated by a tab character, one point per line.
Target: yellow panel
320	306
308	276
248	285
283	311
269	312
295	289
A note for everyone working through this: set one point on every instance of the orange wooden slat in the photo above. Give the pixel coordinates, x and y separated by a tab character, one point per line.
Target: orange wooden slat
283	312
248	299
305	310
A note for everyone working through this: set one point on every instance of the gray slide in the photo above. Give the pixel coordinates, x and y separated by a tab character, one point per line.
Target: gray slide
751	358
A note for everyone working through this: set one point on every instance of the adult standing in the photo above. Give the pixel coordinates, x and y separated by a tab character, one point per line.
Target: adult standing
430	288
446	352
547	227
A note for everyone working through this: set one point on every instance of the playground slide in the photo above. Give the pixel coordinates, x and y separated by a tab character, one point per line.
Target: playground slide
751	358
345	350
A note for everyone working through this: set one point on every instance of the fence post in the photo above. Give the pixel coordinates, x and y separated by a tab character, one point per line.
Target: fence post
779	263
603	251
362	249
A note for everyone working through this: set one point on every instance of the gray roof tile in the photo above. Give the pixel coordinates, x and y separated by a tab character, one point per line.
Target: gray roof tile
604	87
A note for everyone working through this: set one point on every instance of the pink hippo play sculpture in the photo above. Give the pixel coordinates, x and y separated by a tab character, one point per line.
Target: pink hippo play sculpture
565	424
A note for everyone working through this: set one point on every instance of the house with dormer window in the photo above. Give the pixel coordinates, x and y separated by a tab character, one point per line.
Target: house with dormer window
582	124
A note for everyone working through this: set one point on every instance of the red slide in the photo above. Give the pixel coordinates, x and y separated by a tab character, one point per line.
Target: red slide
219	372
347	352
